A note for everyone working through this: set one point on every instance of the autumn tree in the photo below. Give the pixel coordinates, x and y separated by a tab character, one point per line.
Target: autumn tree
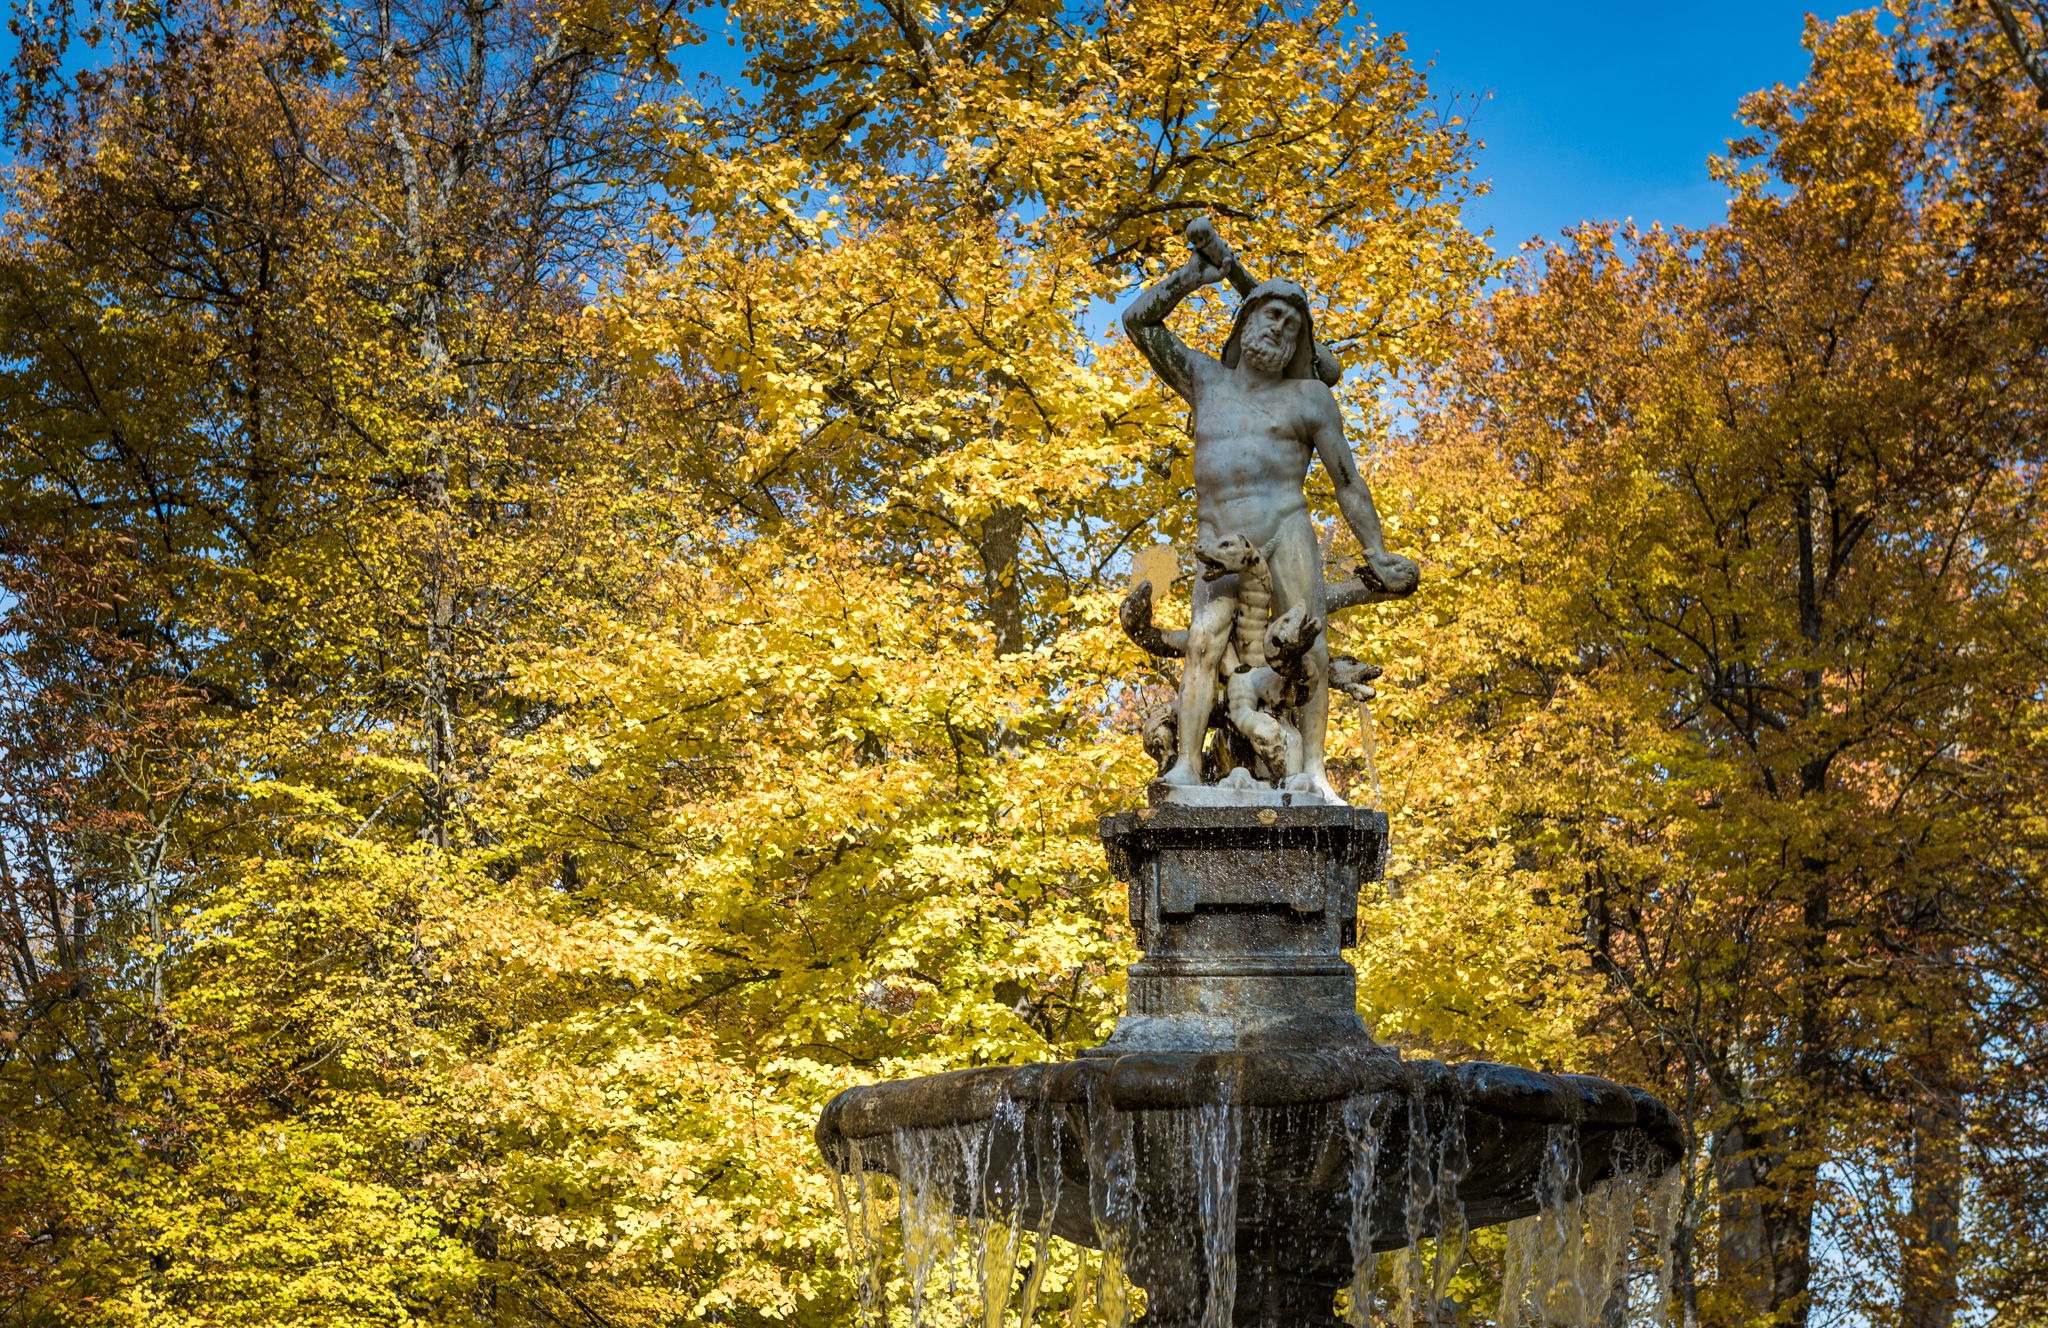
295	327
644	646
562	611
1763	503
833	803
98	767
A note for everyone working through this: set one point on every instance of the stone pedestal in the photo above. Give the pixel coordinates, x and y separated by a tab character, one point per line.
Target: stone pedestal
1242	913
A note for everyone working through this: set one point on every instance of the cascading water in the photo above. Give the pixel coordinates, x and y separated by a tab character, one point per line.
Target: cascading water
1218	1127
976	1219
1365	1128
1369	747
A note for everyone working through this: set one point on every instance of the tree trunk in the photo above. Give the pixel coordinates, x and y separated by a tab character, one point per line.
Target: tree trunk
428	281
2027	46
1929	1293
1765	1253
1002	539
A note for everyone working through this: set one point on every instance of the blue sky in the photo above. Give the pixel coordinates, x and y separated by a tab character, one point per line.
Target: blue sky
1601	110
1598	109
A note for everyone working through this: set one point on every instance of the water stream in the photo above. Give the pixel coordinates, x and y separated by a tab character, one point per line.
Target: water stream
1365	1127
975	1207
1218	1133
1369	746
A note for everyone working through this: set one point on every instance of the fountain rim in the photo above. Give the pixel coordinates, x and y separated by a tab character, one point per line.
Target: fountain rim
1141	1081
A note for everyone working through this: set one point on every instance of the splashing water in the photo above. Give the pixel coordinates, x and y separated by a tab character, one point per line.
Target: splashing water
1433	1217
1668	1198
1112	1206
999	1227
1044	1137
1572	1262
976	1206
857	1214
932	1166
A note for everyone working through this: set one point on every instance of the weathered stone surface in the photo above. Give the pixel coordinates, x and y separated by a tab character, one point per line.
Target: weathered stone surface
1658	1122
1513	1093
1257	666
1601	1101
954	1098
1243	914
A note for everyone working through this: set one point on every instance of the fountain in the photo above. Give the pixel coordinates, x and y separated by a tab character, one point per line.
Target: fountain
1239	1149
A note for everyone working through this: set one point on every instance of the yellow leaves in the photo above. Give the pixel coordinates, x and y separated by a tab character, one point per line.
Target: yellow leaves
659	716
941	340
1470	962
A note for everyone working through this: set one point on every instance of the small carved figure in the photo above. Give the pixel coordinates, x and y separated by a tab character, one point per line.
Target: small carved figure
1264	655
1255	697
1161	740
1234	555
1353	678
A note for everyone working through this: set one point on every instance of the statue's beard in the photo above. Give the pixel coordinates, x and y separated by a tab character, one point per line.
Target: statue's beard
1267	354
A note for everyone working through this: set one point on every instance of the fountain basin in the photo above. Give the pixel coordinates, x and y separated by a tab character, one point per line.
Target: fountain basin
1507	1120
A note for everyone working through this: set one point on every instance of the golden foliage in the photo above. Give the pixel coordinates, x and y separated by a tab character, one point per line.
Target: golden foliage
560	616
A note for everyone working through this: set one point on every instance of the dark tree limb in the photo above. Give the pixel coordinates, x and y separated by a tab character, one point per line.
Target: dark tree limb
2031	47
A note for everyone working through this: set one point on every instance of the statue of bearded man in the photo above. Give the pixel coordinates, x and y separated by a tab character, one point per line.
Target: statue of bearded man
1257	415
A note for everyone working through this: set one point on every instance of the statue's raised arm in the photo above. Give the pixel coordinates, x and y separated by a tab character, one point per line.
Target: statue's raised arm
1183	367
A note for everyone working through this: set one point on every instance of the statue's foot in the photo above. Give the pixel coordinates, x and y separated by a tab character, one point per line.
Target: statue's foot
1182	775
1314	781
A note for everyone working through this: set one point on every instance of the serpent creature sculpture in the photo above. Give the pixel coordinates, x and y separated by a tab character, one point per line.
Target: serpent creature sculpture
1254	738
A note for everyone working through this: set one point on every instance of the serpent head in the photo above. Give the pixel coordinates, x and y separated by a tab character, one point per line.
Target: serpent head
1227	555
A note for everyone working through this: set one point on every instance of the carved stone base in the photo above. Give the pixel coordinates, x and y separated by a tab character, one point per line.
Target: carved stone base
1162	794
1243	913
1242	1071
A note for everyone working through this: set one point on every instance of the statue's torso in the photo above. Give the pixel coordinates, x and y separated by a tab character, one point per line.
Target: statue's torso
1251	455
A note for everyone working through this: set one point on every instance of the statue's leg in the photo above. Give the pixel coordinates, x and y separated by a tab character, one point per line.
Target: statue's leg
1296	567
1209	625
1315	723
1275	741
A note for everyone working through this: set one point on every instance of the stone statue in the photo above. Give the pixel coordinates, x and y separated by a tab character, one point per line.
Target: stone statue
1255	641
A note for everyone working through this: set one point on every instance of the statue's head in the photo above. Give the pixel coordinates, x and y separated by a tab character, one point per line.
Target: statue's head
1273	331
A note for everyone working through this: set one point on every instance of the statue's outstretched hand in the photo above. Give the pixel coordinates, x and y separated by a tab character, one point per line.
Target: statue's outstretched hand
1396	575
